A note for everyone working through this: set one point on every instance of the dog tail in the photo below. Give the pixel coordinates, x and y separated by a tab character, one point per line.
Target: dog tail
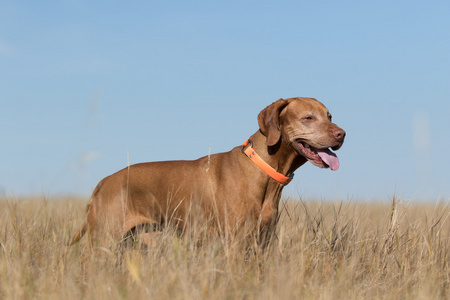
79	233
84	227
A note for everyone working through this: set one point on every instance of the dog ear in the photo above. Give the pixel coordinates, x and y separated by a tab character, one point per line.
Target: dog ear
268	120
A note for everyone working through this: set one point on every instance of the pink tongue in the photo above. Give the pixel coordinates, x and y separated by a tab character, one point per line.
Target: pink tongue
329	158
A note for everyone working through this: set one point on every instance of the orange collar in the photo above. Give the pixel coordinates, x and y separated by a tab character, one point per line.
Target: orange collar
257	160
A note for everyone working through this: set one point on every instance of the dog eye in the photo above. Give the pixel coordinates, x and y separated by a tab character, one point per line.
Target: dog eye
309	118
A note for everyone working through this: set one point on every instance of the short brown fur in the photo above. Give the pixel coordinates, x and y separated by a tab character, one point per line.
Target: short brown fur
225	187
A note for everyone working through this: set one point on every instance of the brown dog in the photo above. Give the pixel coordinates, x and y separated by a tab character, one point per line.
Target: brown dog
238	190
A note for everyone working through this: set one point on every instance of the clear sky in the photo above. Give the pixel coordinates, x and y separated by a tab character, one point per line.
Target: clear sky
88	86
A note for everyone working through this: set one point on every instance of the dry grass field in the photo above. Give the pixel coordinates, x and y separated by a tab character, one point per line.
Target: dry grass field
344	250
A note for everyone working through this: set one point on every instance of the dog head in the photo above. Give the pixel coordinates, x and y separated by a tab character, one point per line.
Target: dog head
305	124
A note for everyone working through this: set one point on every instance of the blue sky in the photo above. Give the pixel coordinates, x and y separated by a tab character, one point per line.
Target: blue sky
88	86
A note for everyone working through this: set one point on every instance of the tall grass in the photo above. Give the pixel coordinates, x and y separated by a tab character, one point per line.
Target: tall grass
343	250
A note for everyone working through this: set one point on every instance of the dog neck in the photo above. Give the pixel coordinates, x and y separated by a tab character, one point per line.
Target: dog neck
281	156
247	149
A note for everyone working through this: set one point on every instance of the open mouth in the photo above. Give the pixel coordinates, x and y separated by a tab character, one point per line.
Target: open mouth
323	158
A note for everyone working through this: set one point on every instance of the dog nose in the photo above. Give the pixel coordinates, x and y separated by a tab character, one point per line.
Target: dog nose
339	134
